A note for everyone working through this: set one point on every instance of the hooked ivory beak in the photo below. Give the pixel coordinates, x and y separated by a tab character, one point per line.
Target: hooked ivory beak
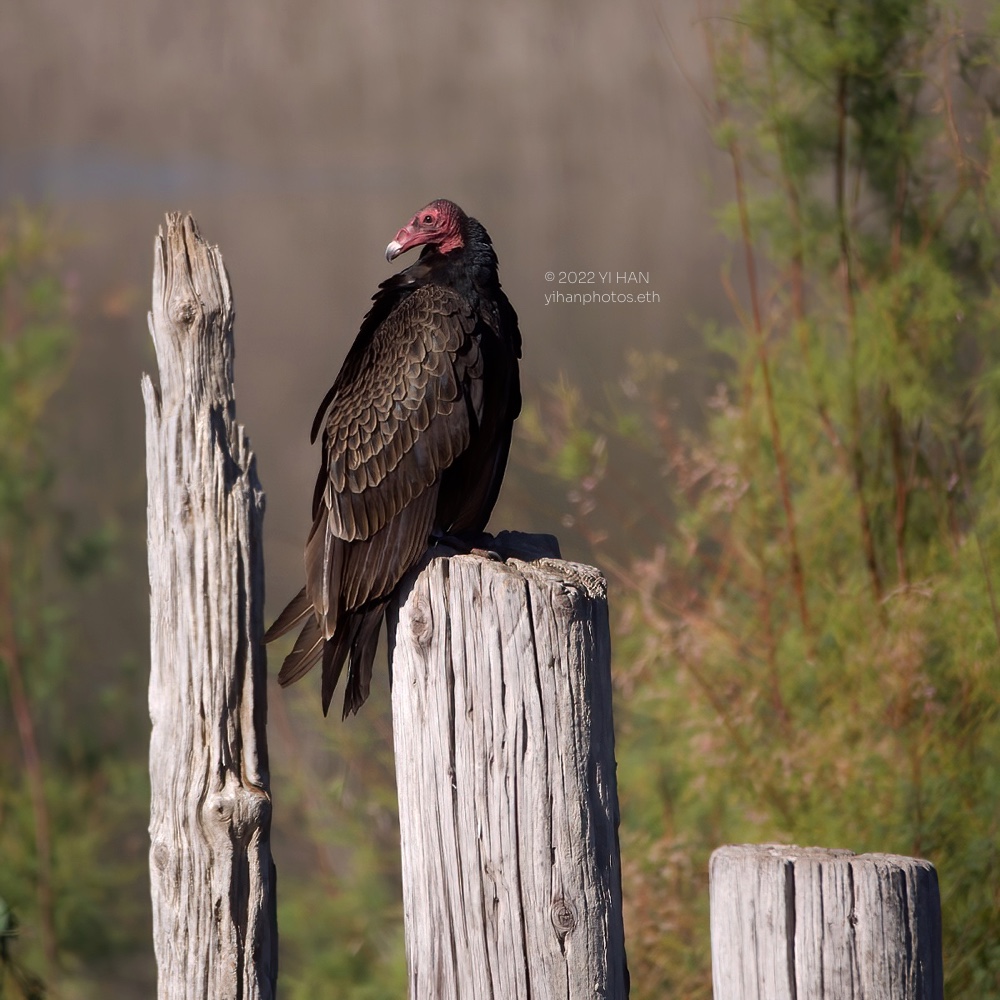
393	250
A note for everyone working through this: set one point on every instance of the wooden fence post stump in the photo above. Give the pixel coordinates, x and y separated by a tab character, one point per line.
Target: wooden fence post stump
506	775
793	923
211	873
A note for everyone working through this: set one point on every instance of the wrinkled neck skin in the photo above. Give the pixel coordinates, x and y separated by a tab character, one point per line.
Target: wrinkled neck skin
475	260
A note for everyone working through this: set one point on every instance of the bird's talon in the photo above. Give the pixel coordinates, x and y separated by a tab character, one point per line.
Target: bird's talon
487	554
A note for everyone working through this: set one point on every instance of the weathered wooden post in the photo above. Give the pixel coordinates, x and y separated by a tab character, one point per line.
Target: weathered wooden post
505	767
212	877
793	923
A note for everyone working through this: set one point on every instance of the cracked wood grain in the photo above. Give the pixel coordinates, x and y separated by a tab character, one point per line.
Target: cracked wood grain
506	775
211	873
794	923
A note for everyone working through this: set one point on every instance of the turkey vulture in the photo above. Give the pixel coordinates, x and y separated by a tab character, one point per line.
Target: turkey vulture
416	431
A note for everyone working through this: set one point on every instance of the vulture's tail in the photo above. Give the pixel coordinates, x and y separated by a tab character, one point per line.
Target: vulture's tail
356	636
359	635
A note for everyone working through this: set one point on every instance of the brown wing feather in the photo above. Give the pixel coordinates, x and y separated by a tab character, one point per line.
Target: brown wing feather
304	655
403	420
389	436
298	607
348	575
404	410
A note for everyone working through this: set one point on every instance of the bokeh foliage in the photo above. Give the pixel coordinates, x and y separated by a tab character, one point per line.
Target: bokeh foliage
72	805
811	654
340	913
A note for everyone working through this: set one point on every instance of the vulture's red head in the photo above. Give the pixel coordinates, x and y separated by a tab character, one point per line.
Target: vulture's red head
438	225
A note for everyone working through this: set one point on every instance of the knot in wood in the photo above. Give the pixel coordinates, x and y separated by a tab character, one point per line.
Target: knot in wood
420	621
220	807
161	856
563	915
183	312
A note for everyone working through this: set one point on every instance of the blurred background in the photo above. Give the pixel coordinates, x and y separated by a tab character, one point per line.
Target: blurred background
584	136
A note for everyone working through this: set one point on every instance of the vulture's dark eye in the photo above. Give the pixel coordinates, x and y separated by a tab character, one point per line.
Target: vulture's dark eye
428	219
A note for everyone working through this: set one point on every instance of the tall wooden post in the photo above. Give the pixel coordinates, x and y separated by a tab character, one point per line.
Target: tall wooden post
505	767
211	872
794	923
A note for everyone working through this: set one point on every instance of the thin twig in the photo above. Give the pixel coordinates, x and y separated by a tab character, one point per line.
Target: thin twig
781	460
847	286
902	491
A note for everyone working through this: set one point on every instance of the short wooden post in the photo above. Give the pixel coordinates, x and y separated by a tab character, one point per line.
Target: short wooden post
794	923
211	873
506	775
